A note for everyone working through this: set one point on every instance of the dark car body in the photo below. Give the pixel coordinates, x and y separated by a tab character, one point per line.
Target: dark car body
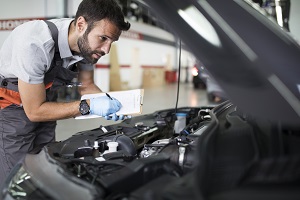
245	148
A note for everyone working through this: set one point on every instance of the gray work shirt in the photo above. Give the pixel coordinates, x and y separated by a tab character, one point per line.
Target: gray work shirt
28	51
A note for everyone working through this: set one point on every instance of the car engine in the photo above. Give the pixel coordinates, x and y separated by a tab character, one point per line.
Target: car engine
122	157
157	156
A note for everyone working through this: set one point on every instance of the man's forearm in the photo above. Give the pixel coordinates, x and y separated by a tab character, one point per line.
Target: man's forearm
90	89
51	111
37	109
88	84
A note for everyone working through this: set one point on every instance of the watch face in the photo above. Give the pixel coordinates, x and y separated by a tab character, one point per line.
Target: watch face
84	108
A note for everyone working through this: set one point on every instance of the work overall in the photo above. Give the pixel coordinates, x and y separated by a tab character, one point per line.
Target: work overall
18	135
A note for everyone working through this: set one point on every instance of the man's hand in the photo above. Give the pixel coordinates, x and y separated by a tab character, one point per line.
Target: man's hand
116	117
104	106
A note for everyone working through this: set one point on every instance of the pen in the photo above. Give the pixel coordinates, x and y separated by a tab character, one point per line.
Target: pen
108	96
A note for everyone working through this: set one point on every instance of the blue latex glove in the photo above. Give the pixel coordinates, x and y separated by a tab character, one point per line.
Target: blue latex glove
116	117
104	106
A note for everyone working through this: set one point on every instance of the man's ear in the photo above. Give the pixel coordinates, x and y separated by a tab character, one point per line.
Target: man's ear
81	24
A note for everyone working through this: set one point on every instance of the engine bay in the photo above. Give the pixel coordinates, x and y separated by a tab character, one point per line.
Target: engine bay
120	158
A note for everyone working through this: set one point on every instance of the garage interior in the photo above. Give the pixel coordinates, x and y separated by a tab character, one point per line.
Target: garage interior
188	142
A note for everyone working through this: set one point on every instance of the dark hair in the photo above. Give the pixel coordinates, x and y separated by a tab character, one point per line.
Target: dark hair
96	10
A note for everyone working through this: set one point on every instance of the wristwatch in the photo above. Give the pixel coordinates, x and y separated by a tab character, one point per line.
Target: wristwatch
84	107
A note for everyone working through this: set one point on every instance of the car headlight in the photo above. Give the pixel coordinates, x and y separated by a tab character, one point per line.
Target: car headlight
21	186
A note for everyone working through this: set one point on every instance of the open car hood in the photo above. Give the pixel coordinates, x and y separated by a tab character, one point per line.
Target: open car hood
252	58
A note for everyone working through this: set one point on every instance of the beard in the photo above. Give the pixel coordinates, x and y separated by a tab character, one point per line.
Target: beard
86	51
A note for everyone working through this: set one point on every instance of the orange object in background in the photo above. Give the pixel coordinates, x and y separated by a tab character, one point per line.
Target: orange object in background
171	76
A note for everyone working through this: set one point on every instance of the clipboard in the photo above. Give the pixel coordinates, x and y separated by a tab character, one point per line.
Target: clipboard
131	100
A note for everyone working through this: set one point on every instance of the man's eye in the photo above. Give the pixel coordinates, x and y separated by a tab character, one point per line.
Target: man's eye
103	38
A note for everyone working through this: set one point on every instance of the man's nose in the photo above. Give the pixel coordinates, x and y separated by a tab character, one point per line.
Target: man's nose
106	48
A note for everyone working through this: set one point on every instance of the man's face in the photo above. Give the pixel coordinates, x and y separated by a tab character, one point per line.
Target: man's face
97	42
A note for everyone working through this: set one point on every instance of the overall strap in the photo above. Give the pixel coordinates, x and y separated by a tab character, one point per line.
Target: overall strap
57	76
54	33
57	61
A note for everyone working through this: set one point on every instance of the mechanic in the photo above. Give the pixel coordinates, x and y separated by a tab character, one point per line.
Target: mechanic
36	59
